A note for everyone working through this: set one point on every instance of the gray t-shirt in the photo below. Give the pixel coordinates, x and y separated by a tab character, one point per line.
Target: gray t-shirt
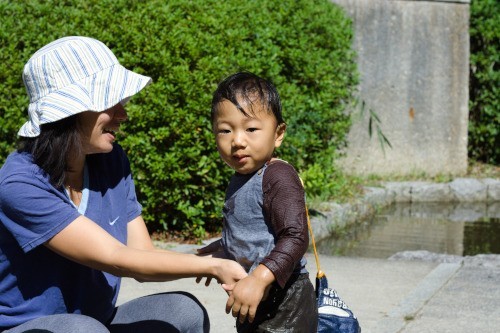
265	221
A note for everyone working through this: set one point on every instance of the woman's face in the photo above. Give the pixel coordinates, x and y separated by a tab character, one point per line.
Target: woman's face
98	129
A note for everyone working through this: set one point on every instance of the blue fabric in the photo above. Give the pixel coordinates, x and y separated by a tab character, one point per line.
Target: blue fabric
35	281
334	316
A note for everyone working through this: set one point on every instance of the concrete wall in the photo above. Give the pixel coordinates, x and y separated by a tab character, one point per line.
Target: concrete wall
413	58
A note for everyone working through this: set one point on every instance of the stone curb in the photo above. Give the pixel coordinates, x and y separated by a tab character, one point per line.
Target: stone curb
471	199
408	308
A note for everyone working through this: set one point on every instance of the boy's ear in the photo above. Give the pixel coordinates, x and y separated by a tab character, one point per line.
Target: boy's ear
280	135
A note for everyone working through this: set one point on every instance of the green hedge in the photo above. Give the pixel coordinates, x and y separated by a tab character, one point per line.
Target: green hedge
484	107
187	47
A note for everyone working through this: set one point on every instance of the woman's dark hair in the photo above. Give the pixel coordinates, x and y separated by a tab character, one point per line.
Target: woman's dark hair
246	86
51	149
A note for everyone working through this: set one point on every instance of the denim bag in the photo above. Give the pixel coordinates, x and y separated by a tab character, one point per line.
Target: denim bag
333	314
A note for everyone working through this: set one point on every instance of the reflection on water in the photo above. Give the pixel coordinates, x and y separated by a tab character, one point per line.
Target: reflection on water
457	229
482	237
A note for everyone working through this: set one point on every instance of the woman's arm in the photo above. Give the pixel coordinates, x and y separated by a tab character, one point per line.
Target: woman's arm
85	242
138	235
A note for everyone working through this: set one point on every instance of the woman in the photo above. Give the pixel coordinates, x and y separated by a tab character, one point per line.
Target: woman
71	224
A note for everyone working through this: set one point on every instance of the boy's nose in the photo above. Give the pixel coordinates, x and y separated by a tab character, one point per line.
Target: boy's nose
238	140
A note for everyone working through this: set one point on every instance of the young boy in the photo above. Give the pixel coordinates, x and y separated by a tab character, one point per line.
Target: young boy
265	224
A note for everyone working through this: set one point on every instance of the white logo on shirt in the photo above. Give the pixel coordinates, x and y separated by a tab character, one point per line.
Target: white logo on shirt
114	221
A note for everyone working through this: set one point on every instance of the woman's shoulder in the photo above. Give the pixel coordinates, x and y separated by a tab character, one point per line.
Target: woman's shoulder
19	157
21	180
19	164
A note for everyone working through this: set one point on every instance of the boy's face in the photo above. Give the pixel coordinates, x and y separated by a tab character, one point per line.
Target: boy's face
246	143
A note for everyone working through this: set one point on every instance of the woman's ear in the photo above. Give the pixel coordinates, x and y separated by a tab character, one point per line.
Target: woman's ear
280	135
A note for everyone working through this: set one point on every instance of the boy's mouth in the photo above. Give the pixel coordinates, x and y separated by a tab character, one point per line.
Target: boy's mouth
240	158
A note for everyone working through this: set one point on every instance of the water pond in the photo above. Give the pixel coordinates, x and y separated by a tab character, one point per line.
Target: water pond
445	228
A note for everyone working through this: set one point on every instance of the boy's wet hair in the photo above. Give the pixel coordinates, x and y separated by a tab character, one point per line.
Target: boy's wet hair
250	88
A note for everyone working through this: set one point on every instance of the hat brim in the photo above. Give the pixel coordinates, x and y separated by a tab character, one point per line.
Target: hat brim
97	92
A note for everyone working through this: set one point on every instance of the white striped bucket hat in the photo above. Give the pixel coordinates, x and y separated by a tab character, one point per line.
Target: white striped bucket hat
72	75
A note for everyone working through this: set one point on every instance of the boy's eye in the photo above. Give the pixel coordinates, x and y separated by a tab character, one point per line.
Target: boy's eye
223	131
252	129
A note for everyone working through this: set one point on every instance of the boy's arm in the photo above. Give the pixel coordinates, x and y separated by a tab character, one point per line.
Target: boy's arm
284	207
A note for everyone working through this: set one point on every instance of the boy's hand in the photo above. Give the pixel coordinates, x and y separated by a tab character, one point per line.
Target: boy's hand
245	295
214	250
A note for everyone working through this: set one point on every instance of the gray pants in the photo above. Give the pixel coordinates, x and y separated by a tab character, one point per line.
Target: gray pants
159	313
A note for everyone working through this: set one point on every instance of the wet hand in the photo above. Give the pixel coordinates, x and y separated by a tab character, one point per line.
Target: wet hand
245	296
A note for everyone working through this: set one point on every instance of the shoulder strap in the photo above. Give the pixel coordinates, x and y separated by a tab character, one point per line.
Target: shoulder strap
320	273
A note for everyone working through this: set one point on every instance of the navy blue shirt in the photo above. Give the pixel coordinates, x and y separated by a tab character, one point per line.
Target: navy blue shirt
35	281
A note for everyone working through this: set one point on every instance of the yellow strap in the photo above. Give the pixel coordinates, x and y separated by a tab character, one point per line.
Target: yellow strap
320	273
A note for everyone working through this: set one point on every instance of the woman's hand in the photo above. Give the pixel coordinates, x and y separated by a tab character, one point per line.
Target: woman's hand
228	272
